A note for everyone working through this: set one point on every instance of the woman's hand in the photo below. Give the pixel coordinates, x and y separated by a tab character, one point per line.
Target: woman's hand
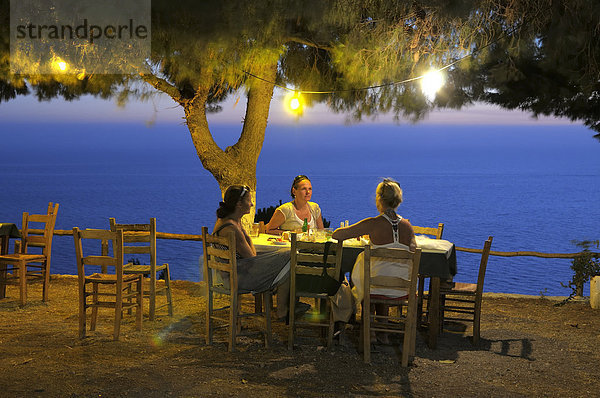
353	231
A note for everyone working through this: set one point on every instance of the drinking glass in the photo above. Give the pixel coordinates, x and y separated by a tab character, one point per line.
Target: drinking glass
255	230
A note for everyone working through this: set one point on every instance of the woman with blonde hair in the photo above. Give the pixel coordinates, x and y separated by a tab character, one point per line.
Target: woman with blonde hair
388	230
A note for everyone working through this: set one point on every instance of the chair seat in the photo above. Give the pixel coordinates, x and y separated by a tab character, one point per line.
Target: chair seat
380	297
460	287
141	269
22	257
108	278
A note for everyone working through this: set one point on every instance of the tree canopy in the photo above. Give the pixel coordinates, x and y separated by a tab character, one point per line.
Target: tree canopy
541	56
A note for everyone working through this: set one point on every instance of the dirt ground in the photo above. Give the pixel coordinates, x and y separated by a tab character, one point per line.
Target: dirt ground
529	347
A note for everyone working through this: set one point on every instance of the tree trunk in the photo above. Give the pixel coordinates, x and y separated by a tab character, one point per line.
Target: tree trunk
236	165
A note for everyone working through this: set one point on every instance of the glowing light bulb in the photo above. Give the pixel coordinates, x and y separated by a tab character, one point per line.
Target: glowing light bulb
59	65
431	83
294	104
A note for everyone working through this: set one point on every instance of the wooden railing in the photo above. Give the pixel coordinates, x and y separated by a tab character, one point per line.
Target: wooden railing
193	237
159	235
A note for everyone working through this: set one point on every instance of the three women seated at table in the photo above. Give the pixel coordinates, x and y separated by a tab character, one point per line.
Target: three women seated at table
290	216
268	270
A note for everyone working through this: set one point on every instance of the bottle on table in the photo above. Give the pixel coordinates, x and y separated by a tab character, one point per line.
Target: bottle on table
305	225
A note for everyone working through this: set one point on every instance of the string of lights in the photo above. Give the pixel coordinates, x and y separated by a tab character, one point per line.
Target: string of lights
431	81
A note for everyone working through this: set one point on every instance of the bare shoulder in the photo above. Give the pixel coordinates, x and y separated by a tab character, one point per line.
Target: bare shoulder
224	227
405	223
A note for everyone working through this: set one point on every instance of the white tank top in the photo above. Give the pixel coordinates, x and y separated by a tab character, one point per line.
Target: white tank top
394	226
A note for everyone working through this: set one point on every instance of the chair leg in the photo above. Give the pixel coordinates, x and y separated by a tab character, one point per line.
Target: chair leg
139	301
3	276
168	291
476	323
233	321
152	296
331	326
22	283
94	306
292	319
82	311
46	286
366	331
129	299
421	292
267	297
118	313
258	303
209	310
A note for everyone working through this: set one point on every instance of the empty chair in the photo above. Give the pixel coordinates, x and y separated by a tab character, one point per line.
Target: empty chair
406	295
25	266
106	290
437	234
141	239
321	261
462	301
432	231
220	257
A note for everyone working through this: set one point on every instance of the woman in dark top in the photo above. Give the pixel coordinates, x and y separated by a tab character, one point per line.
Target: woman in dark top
256	273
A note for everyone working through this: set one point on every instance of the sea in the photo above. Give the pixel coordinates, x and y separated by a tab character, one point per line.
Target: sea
533	188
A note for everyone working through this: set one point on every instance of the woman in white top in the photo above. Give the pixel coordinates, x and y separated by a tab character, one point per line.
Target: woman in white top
290	216
388	229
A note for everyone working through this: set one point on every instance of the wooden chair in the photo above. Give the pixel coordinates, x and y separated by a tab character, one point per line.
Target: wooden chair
307	259
395	324
432	231
220	256
118	291
141	239
464	299
437	234
26	266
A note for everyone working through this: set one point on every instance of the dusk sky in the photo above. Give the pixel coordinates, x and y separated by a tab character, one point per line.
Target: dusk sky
161	109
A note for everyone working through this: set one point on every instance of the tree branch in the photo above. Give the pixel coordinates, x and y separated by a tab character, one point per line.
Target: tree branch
309	43
163	86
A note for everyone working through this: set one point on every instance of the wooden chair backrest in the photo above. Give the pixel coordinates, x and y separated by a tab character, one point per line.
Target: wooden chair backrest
143	235
45	240
436	232
219	255
99	260
483	264
307	258
400	256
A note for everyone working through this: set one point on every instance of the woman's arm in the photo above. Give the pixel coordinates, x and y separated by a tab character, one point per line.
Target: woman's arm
319	217
362	227
243	247
277	219
320	223
411	235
